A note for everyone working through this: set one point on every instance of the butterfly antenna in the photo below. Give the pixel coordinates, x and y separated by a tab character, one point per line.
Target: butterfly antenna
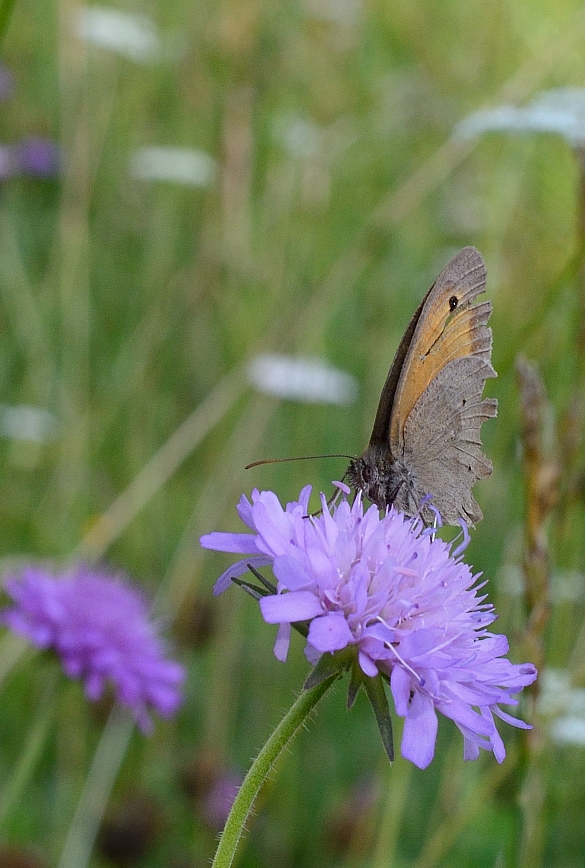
298	458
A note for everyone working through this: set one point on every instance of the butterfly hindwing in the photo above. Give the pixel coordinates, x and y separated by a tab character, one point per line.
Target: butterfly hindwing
442	444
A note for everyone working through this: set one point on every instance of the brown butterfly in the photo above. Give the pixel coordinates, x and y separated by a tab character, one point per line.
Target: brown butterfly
426	436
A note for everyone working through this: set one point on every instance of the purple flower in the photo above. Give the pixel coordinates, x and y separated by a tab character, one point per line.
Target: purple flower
35	157
401	599
99	627
216	803
38	157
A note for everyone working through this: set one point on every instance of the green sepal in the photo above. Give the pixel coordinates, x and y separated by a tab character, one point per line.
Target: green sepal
355	682
379	702
270	588
250	589
328	665
253	590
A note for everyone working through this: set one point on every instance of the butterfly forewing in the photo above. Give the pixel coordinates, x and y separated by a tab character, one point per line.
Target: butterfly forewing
426	435
386	402
449	327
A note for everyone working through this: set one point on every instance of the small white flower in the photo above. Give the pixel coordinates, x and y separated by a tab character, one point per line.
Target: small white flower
22	422
342	12
564	705
560	111
300	137
569	730
301	379
135	37
186	166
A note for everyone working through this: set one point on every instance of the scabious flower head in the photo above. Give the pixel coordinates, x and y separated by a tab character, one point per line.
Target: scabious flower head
407	605
99	627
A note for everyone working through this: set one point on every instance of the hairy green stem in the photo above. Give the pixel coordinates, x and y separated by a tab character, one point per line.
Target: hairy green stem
261	767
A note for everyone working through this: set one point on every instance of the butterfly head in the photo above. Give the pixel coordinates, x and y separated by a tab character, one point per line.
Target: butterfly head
380	477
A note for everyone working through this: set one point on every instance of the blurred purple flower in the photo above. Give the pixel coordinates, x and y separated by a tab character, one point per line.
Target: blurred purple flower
216	803
99	627
37	156
407	605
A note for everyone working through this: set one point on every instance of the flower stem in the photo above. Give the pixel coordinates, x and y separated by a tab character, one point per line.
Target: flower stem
261	767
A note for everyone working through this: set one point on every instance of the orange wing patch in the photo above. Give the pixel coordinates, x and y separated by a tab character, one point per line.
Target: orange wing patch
449	327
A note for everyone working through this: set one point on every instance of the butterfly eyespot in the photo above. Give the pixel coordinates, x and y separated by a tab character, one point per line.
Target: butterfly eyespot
453	302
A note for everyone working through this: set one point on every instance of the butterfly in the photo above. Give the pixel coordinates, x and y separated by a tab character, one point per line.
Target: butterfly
425	446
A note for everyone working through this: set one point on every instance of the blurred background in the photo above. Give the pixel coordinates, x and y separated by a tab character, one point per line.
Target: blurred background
187	189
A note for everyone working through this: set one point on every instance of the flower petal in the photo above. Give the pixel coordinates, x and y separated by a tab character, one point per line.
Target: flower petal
420	731
291	606
282	642
367	665
290	573
400	682
239	543
330	632
236	570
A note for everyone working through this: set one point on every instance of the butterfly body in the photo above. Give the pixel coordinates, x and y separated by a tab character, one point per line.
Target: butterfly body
382	478
426	435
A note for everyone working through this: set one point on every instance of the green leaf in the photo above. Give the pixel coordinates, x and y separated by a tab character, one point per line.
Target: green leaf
379	702
270	588
250	589
356	681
